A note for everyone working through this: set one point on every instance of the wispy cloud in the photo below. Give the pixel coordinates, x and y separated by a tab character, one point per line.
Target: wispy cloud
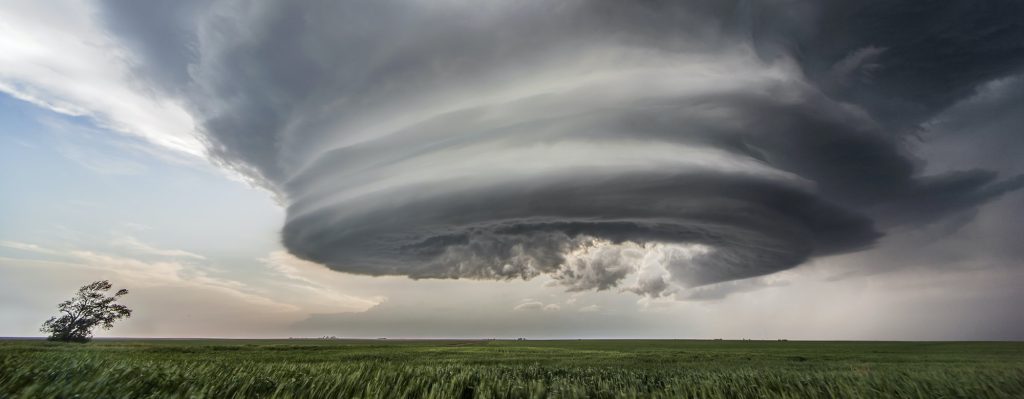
55	55
307	278
161	273
133	244
531	305
21	246
298	294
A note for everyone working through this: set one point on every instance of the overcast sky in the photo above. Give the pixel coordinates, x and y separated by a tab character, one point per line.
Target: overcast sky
405	168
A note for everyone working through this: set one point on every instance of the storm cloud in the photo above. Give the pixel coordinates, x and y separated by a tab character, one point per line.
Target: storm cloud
687	142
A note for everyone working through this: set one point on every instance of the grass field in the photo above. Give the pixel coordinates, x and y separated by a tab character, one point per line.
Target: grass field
514	369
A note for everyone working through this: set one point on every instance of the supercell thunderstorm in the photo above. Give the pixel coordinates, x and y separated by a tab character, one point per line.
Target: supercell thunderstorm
688	142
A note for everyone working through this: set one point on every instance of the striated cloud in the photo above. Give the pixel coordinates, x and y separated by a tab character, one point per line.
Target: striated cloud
682	143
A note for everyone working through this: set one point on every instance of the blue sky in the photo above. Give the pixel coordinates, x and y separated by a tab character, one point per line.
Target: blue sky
95	177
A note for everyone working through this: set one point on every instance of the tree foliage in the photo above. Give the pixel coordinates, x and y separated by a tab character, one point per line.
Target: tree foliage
90	307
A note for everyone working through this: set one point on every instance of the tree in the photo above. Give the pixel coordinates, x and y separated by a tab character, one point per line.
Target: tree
89	308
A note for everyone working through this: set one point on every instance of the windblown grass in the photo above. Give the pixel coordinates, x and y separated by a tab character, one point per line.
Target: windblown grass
509	369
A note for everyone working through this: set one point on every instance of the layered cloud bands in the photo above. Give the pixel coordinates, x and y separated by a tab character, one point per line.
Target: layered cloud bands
584	140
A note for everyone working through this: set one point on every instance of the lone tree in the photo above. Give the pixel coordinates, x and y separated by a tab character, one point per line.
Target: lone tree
89	308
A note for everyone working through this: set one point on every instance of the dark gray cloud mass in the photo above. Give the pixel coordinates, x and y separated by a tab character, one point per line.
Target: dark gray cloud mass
584	140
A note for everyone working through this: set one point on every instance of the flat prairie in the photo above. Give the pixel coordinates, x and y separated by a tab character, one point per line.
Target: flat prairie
301	368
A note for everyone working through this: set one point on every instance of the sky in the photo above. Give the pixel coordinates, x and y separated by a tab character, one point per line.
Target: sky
758	169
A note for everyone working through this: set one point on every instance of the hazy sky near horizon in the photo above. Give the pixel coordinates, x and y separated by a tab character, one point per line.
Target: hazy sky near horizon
404	168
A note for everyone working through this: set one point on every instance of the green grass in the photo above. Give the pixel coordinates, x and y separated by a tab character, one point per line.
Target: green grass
500	369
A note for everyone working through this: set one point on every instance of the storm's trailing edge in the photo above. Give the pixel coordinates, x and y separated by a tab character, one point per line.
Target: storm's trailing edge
692	142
